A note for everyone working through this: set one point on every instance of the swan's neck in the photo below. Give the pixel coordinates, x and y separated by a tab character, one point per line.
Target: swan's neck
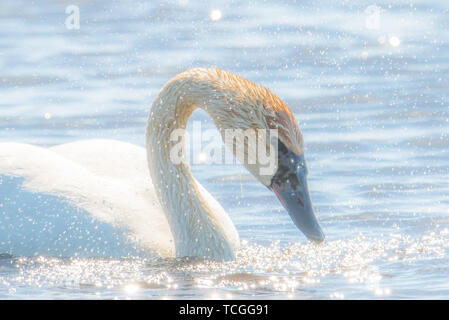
199	225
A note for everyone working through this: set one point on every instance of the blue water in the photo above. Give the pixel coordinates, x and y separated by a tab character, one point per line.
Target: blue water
371	97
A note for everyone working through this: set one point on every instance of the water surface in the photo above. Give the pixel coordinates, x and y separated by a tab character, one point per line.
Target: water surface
371	100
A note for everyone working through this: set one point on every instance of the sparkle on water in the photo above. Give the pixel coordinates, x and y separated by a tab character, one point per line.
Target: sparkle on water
215	15
395	41
367	83
290	271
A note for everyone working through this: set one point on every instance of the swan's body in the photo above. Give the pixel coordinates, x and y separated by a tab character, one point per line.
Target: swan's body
171	211
102	177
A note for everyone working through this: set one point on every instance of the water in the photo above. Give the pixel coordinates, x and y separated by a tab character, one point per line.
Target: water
368	85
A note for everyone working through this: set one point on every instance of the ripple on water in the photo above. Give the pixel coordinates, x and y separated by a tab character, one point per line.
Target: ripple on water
290	271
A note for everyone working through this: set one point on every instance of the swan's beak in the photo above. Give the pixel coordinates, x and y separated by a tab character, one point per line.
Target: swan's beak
290	185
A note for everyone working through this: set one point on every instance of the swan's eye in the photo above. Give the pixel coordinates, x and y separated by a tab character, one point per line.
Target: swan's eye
304	167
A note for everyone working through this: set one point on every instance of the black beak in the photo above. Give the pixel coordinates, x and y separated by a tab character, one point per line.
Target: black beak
290	185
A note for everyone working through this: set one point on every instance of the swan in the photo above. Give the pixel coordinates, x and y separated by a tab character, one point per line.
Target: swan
172	212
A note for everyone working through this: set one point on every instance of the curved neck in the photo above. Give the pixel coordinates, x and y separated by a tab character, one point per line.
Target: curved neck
199	225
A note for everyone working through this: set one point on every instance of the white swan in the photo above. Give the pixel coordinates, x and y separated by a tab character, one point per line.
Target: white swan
174	214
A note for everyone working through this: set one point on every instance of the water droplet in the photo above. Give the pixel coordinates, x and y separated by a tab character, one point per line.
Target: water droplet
394	41
215	15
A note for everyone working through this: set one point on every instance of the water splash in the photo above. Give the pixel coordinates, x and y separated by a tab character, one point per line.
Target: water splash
291	271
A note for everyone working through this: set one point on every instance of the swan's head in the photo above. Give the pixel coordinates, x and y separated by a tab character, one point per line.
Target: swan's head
289	183
289	180
250	106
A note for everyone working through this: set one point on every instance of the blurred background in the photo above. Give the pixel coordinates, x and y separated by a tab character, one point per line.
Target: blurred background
368	83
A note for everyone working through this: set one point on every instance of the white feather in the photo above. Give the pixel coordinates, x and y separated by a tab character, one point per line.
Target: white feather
109	179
